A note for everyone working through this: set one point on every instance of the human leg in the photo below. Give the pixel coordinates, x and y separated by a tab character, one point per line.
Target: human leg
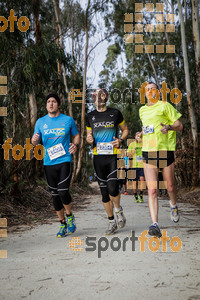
112	183
63	190
51	173
101	175
151	174
168	175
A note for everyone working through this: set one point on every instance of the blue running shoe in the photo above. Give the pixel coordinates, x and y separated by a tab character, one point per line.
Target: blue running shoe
71	227
154	230
63	231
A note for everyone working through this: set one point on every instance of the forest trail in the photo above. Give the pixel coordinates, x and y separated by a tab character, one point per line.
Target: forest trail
41	266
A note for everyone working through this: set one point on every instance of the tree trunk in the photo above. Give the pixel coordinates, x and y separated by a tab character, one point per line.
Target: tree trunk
74	64
196	35
15	189
56	9
154	70
81	151
57	42
193	122
36	9
33	109
171	60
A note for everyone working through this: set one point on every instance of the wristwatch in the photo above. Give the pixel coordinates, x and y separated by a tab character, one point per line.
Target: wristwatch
169	127
76	145
121	140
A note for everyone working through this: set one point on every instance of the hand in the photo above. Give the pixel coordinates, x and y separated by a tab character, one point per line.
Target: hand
72	148
35	138
116	143
164	128
90	138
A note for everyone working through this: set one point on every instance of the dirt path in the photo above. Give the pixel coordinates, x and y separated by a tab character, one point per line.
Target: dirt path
40	266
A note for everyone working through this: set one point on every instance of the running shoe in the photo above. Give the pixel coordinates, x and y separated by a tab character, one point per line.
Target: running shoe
71	227
154	230
174	214
140	197
112	228
126	193
121	220
136	199
63	231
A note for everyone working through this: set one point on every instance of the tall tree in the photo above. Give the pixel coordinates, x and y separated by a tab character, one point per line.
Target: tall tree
56	8
82	141
196	35
191	111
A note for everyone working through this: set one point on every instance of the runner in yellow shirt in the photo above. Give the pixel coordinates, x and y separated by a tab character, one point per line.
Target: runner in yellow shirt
135	152
160	122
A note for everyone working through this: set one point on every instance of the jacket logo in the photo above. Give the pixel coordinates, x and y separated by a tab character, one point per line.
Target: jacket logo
104	124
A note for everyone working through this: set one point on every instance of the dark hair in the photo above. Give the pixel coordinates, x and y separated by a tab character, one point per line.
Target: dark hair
54	95
151	82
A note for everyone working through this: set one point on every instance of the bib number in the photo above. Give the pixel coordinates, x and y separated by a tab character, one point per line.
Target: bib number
139	158
104	148
148	129
56	151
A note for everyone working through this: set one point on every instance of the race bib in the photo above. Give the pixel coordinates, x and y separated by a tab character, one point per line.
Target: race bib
139	158
56	151
148	129
104	148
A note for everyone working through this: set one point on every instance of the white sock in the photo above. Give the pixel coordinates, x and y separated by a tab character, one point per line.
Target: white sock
172	206
117	209
155	223
112	221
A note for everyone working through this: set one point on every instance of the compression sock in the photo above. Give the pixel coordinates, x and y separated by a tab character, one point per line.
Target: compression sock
69	215
63	222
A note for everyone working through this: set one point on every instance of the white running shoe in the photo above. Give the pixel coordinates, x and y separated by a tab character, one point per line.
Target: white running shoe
121	220
174	214
112	227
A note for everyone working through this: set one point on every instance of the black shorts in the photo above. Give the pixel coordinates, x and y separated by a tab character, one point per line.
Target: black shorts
136	173
106	172
159	159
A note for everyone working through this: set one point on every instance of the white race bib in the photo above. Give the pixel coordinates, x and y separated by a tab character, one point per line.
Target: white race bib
139	158
148	129
56	151
104	148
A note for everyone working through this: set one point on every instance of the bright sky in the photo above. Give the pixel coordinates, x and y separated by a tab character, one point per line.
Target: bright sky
98	55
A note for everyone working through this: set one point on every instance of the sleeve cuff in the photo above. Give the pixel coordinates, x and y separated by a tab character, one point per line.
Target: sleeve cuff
121	123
